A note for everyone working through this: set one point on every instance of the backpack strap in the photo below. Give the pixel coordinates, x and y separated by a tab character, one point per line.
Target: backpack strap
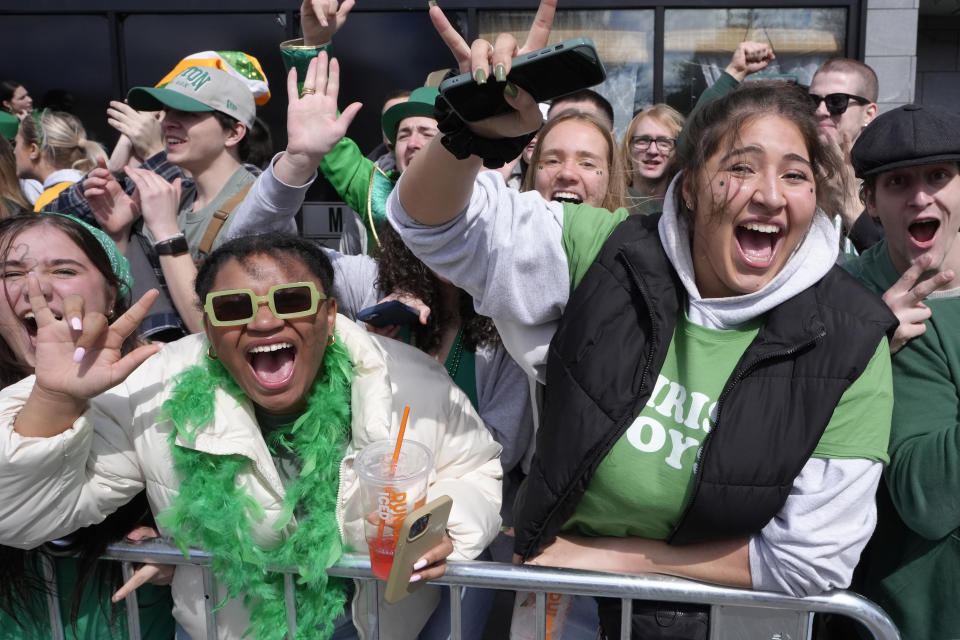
219	219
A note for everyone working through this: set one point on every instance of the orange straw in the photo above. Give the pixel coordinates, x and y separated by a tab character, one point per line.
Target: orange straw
396	449
396	458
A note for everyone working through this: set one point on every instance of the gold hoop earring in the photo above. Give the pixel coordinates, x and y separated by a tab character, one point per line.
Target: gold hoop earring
331	339
210	354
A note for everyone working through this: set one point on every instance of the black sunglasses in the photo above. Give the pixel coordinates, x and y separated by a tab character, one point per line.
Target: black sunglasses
837	103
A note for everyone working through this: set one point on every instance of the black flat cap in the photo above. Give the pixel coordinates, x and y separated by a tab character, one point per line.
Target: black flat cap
908	136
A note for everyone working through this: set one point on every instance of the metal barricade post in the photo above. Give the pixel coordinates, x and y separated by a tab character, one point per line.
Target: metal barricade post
735	613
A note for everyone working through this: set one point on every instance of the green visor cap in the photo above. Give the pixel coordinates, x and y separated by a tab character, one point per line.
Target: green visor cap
151	99
420	103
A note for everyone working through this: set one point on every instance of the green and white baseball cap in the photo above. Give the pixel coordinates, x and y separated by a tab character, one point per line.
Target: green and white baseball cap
199	89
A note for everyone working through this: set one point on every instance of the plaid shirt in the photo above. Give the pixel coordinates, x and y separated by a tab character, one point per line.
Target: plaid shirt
72	201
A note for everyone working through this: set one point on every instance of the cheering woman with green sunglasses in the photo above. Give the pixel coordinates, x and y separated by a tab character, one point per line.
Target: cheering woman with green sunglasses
244	438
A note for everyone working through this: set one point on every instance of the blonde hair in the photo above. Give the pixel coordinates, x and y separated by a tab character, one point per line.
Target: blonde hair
666	116
616	193
62	140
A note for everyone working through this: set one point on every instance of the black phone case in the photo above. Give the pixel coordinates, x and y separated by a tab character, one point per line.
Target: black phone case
392	312
546	74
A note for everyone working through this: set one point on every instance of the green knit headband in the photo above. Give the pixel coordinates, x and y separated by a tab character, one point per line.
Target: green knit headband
118	263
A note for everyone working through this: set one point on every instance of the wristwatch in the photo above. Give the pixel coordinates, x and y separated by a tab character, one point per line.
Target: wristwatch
172	246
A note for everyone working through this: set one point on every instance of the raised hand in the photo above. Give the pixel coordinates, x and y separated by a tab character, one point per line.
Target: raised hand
749	57
480	57
81	363
114	210
905	299
158	201
321	19
141	127
313	126
483	55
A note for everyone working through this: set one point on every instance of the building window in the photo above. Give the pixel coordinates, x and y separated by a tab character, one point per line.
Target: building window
624	40
697	44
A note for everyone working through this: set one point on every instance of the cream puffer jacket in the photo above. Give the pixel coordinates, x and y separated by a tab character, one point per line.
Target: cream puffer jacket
51	486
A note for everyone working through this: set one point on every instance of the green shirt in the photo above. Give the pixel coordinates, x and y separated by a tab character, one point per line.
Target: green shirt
912	563
194	223
657	452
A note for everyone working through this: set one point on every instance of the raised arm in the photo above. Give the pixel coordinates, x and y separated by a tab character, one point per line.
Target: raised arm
313	128
159	201
436	186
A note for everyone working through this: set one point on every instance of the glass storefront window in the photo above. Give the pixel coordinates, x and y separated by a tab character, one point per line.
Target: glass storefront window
624	39
698	44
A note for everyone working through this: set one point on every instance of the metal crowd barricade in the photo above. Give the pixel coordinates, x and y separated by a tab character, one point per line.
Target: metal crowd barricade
734	613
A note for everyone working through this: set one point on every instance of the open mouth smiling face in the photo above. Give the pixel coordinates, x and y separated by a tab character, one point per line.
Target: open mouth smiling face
62	269
755	205
919	207
274	360
572	166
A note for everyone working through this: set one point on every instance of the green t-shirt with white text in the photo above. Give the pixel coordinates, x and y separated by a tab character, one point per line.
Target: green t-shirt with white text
643	485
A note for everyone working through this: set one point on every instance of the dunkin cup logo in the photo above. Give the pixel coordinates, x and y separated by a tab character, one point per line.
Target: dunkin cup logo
392	507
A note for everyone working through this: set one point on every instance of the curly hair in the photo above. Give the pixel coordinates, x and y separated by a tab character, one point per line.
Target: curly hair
402	272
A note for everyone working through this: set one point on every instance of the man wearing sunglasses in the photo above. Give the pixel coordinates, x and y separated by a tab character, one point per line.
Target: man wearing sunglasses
843	93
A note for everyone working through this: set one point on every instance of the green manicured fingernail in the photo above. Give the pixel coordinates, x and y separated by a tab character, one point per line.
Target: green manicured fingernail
432	3
511	90
501	73
480	76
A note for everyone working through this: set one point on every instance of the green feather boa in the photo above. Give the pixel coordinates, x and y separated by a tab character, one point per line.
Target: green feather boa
211	513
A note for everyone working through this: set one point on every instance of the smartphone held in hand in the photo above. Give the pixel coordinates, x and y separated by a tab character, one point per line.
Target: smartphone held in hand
387	313
422	530
546	74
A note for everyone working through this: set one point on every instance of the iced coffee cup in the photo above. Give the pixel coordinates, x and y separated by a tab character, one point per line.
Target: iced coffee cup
389	491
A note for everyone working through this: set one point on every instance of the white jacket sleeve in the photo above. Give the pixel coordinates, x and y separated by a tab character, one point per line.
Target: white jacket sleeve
50	487
468	470
269	206
814	543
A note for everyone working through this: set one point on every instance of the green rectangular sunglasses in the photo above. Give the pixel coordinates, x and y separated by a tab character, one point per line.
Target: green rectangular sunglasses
239	306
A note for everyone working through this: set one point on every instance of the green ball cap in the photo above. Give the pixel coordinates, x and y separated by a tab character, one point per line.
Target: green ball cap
420	103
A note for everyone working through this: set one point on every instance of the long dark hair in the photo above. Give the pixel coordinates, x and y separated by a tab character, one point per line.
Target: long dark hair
7	89
23	589
403	272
